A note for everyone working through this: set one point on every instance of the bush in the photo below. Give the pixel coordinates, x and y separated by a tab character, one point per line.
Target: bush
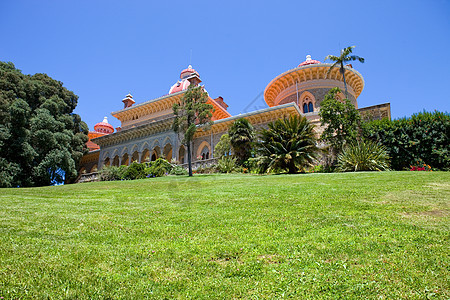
206	170
363	156
112	173
178	170
135	171
423	137
158	168
227	164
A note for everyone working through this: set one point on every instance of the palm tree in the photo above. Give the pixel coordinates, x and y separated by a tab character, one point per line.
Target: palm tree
241	138
289	144
341	60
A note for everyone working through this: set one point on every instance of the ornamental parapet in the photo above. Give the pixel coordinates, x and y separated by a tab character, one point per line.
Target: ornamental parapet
308	75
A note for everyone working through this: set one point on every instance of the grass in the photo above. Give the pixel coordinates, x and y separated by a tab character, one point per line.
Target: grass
353	235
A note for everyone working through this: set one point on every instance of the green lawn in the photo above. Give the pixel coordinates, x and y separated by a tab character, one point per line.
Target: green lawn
353	235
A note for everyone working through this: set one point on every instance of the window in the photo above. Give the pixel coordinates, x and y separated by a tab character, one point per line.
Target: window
310	107
305	108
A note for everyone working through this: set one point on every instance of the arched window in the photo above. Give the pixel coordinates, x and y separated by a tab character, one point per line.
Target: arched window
305	108
310	107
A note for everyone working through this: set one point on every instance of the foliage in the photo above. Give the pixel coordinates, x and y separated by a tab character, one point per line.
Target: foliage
241	138
41	139
342	59
112	173
289	144
227	164
178	170
135	171
159	168
192	112
223	147
319	236
421	138
340	121
363	156
207	170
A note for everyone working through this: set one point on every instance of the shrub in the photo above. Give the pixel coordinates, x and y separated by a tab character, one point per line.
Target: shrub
178	170
227	164
223	147
158	168
289	144
423	137
363	156
135	171
112	173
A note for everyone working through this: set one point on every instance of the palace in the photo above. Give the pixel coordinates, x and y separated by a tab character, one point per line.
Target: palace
145	133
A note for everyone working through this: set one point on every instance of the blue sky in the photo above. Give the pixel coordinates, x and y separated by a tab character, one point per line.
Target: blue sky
103	50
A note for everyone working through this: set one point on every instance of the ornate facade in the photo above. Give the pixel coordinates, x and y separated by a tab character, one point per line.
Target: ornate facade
145	133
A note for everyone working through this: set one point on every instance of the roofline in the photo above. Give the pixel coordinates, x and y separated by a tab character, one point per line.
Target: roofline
312	66
147	102
255	112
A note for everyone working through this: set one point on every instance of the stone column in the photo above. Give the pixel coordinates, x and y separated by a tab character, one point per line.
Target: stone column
140	156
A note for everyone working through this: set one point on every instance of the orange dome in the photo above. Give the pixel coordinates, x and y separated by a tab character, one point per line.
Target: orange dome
309	61
104	127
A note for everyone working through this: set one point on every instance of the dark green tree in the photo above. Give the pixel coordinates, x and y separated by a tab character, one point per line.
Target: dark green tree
342	59
41	139
340	119
288	144
241	138
190	114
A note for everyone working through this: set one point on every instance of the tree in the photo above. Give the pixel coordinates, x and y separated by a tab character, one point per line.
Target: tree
341	60
190	114
223	147
288	144
41	139
340	120
241	138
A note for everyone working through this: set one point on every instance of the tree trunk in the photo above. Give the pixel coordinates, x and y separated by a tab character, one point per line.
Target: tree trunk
189	158
345	83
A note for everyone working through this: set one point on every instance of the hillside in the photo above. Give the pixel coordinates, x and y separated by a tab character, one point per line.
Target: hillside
353	235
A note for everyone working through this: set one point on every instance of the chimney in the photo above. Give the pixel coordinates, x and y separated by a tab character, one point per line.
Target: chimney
128	101
220	101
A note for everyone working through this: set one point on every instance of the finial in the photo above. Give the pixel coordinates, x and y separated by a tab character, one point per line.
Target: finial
308	57
189	67
105	120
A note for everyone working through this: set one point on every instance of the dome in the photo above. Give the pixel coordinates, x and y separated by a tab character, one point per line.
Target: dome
188	72
309	61
179	86
104	127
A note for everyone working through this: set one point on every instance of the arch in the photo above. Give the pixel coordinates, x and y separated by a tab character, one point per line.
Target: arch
145	146
307	101
145	155
83	170
156	153
134	148
125	160
124	150
106	155
115	161
135	156
106	162
181	154
167	152
94	168
202	153
167	140
155	144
